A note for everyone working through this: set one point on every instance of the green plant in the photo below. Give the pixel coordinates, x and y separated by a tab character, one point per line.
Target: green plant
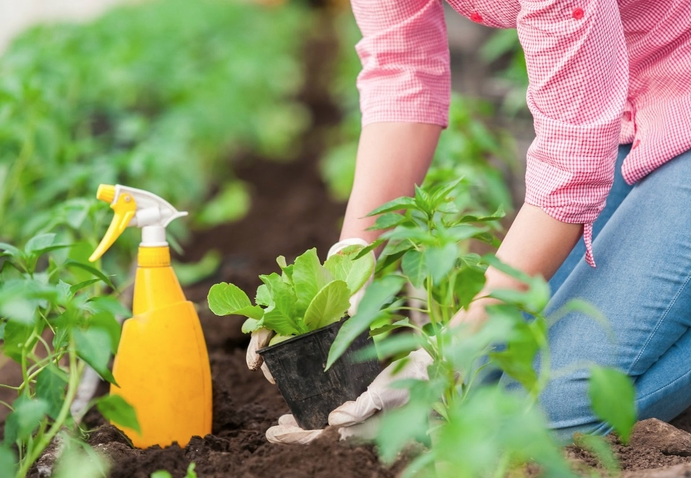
54	321
306	295
164	474
473	429
162	95
504	45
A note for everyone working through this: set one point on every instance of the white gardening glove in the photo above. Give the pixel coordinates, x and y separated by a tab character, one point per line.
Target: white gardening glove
259	339
351	417
338	247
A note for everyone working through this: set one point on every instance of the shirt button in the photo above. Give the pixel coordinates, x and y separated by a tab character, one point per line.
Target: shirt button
627	116
476	17
636	144
578	13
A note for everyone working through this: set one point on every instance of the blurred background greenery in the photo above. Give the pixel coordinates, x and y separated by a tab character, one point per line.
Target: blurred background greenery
167	95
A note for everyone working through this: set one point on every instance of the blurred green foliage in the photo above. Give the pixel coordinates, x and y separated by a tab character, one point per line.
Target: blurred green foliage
159	96
503	46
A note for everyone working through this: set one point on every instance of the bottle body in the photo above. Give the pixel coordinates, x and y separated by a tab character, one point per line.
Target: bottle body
162	364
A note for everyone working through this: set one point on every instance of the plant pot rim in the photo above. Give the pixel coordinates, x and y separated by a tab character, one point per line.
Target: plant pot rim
298	337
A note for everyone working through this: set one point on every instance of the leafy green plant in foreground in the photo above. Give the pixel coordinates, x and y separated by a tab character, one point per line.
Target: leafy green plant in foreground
473	427
52	324
306	295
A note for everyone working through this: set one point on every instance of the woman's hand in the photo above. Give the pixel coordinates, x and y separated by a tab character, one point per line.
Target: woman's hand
535	244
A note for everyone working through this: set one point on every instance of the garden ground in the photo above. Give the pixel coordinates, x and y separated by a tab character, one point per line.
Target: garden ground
291	212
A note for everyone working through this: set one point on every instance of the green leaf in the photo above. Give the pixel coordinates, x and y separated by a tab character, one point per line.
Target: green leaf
309	277
345	267
190	471
16	308
280	316
192	273
469	283
25	418
263	296
387	221
517	359
161	474
10	250
612	395
107	304
82	285
378	294
16	335
423	200
38	243
393	346
115	409
229	299
398	204
231	204
50	386
441	260
94	346
106	321
414	267
328	306
95	272
251	325
8	461
401	426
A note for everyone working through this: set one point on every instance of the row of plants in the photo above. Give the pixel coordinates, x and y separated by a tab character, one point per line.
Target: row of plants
471	426
56	318
160	95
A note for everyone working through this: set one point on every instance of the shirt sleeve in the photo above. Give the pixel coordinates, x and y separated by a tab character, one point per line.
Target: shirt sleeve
578	84
404	52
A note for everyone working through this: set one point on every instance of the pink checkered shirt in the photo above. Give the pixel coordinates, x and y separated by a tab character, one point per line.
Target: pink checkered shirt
602	73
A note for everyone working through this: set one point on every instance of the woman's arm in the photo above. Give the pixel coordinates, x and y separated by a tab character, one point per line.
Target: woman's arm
536	244
392	158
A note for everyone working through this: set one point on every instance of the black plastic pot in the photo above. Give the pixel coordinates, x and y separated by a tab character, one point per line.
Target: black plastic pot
298	365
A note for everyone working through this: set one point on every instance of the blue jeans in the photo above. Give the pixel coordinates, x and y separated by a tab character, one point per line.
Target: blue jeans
642	248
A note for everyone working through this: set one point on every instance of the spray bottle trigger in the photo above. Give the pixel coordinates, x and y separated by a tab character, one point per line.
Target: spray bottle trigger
125	208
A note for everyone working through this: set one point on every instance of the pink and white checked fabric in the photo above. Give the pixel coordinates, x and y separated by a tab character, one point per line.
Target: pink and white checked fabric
602	73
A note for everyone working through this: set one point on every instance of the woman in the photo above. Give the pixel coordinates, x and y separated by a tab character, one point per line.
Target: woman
610	94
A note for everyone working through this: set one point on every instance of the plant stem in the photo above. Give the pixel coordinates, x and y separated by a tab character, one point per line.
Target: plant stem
73	384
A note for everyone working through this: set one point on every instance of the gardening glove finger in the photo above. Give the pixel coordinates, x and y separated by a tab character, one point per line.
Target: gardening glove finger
366	431
260	339
289	432
380	395
267	374
357	296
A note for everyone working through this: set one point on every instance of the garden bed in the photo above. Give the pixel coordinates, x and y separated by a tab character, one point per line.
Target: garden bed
245	404
290	213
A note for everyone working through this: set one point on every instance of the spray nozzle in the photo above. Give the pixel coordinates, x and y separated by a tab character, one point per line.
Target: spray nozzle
135	207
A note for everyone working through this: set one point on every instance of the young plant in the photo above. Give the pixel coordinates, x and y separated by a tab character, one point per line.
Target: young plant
477	428
52	327
306	296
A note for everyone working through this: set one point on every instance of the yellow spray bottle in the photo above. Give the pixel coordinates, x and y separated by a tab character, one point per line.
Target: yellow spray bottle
162	365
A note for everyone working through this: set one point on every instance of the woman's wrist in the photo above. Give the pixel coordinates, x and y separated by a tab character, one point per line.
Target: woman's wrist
535	244
391	159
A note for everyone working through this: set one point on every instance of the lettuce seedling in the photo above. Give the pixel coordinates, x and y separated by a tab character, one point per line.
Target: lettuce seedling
307	295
